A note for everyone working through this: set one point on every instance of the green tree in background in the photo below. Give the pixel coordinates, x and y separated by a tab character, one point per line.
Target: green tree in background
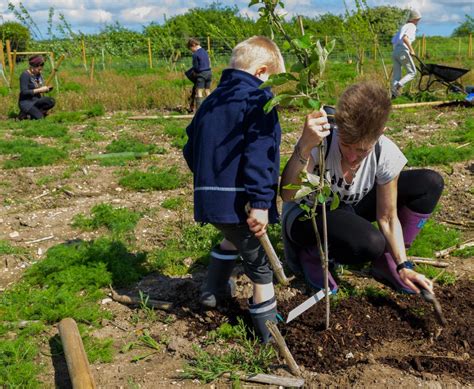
465	28
18	35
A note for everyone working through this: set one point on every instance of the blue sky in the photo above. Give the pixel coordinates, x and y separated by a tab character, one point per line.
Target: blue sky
440	17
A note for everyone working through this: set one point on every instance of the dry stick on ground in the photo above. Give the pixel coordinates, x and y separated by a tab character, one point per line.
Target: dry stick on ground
154	117
270	379
128	300
449	250
427	261
283	348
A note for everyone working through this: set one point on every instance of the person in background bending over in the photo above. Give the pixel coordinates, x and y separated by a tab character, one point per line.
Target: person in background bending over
32	103
402	53
233	150
199	74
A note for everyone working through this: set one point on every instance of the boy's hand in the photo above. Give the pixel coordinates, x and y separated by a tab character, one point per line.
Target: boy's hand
258	221
316	128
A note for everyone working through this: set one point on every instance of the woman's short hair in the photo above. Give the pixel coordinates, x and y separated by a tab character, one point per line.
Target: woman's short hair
36	60
193	42
257	51
362	112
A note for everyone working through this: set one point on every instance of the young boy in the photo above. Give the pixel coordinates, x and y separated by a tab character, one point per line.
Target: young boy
233	151
199	74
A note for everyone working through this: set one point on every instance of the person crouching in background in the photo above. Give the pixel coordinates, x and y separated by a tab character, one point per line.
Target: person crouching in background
32	103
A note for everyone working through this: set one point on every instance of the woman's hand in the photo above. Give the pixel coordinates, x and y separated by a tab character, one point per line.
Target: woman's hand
42	89
316	128
258	221
415	280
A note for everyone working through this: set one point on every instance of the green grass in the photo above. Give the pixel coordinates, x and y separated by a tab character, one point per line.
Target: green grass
173	204
467	252
176	130
128	143
119	221
68	282
6	248
244	355
433	237
437	155
154	180
193	242
30	154
446	278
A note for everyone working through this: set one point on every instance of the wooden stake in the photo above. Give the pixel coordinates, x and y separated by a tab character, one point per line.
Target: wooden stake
300	24
273	259
84	58
422	104
103	59
55	69
150	58
282	347
423	51
449	250
469	47
12	69
459	46
208	43
2	64
92	69
375	49
154	117
76	358
427	261
9	57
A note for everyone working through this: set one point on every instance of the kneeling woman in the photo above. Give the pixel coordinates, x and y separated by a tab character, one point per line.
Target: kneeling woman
366	171
32	103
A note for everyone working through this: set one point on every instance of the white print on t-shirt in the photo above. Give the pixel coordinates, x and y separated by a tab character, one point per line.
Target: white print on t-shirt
389	166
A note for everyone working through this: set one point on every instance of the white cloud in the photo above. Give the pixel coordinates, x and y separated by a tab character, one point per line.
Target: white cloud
91	15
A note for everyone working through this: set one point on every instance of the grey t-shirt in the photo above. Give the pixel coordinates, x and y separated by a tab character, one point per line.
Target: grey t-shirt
370	172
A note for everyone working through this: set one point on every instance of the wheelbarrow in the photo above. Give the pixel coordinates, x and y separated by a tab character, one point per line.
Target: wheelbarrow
446	75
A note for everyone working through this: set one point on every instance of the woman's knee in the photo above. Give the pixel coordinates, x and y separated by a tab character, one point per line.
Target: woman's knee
434	182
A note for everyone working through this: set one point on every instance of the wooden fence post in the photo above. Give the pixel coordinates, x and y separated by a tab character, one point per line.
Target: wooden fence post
9	57
208	43
469	47
92	69
375	48
150	58
423	47
12	69
2	62
84	58
103	58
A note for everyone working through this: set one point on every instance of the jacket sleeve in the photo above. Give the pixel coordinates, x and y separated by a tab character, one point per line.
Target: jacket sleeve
261	156
188	147
25	92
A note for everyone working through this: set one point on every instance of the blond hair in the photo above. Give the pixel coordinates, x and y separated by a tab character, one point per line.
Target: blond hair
362	112
255	52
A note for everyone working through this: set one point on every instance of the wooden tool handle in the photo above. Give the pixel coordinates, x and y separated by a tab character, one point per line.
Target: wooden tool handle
76	358
274	261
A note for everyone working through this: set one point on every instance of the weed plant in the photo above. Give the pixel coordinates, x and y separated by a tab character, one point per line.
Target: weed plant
7	249
467	252
119	221
173	204
175	130
154	180
244	355
442	277
33	155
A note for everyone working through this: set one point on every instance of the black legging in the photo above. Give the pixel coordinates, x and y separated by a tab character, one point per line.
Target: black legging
41	106
351	236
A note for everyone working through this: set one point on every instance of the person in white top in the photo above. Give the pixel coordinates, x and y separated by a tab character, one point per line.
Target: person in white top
365	170
402	53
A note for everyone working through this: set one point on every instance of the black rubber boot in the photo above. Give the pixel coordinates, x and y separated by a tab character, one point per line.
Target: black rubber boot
219	285
199	101
260	314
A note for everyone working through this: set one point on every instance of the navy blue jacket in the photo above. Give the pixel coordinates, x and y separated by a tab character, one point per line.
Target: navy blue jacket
233	151
201	61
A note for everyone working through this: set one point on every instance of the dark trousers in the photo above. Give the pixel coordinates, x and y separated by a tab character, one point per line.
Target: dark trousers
41	107
352	237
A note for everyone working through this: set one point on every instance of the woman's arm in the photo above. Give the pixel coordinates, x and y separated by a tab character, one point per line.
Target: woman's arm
387	219
315	129
408	44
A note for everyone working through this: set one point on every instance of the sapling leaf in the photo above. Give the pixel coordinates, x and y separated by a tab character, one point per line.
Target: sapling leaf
305	208
292	187
335	202
321	198
275	101
297	67
315	104
327	191
303	192
313	179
